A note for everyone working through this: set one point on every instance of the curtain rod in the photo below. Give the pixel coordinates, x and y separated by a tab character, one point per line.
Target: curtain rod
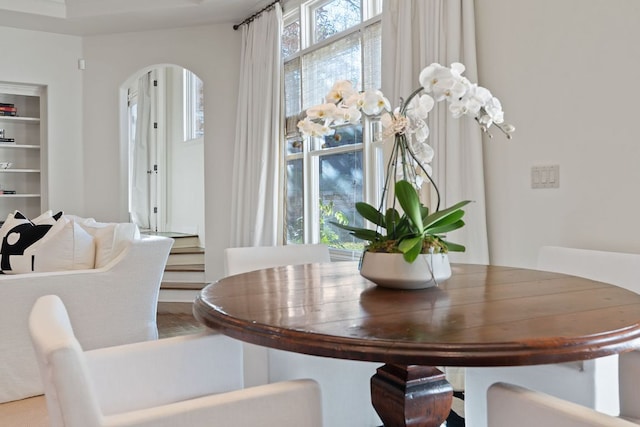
255	15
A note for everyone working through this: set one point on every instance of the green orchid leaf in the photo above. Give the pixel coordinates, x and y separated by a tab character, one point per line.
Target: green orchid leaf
409	243
359	232
392	220
453	247
411	248
370	213
368	235
449	219
434	218
410	202
424	211
445	228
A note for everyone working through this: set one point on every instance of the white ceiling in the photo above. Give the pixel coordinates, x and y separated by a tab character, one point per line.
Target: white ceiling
87	17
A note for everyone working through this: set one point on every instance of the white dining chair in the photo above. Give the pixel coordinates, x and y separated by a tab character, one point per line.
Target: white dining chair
243	259
190	381
240	260
346	394
509	405
592	383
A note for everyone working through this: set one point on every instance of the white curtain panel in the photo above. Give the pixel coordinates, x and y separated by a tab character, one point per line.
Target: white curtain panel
256	167
416	33
140	152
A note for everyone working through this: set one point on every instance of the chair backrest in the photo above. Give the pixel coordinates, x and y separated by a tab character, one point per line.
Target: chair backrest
510	405
242	260
616	268
70	397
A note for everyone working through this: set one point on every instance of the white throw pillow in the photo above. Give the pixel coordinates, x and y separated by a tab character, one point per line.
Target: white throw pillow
47	218
68	247
79	219
110	239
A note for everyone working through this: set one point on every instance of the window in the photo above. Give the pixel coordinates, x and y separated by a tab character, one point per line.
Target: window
193	98
324	41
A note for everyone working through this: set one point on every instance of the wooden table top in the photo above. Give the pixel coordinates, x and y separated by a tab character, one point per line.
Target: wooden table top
481	316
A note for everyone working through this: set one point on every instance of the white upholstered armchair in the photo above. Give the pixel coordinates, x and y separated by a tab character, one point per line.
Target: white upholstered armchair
345	383
592	383
510	405
183	381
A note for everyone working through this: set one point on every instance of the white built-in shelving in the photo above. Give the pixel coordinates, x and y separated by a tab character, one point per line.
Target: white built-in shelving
25	152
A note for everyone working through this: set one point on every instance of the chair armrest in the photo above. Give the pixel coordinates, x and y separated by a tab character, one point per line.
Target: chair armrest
153	373
290	403
509	405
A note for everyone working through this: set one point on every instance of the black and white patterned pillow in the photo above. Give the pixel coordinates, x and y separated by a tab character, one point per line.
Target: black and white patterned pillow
18	233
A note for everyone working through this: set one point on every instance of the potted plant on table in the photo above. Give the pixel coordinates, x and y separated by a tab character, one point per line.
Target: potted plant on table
417	237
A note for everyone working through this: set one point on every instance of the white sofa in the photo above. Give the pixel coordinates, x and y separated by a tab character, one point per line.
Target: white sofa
111	305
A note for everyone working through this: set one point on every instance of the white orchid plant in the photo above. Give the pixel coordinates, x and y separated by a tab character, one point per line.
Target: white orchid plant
417	230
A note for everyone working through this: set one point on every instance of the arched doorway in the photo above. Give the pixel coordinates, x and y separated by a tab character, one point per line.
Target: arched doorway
165	122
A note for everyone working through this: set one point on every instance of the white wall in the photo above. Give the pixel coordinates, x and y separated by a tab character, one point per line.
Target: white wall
567	75
212	52
51	60
185	165
565	72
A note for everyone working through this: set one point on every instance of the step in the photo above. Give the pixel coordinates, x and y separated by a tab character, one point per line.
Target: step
175	273
199	267
185	259
187	250
189	286
180	240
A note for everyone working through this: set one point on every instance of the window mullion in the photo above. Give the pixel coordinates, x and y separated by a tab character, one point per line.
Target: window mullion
311	167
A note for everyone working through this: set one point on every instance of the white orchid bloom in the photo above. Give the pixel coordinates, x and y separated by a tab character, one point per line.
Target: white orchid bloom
349	115
322	112
421	130
476	98
311	128
444	83
458	108
457	69
341	90
374	103
420	107
493	108
473	100
423	152
355	100
408	125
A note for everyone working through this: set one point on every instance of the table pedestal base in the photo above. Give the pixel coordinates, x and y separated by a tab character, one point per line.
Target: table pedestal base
417	396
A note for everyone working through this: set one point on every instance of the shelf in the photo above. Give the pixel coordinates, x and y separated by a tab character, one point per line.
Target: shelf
19	119
27	176
5	145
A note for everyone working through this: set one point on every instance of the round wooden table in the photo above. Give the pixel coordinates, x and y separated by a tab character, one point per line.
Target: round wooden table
481	316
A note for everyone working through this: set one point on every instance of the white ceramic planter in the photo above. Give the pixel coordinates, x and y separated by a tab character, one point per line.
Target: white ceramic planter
392	271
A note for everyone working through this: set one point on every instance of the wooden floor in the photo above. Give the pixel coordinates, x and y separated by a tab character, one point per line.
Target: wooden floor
173	324
32	412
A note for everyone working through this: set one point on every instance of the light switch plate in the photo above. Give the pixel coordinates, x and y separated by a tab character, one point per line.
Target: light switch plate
545	176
